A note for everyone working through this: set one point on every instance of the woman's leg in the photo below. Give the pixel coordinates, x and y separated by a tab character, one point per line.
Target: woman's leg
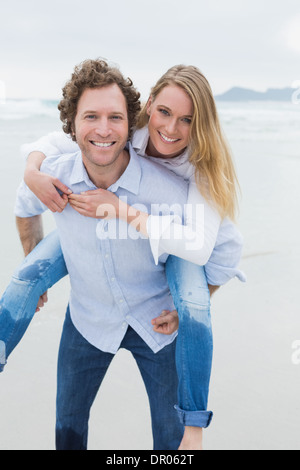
41	269
194	347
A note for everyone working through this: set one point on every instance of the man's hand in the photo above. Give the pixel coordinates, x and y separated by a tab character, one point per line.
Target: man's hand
167	323
42	301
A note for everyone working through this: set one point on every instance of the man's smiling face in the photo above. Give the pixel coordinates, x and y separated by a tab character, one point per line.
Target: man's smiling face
101	125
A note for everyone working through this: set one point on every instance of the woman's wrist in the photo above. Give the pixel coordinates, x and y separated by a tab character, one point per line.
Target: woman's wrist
33	166
133	217
30	174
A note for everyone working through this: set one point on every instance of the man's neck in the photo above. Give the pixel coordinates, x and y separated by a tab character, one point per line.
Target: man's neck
104	176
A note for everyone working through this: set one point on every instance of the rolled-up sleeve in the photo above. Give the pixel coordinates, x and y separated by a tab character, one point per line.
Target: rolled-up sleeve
223	264
193	240
27	204
55	143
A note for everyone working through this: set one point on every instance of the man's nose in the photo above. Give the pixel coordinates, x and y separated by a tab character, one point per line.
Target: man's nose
103	128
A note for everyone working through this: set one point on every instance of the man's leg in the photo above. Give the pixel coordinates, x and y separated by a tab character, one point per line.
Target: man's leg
160	378
81	369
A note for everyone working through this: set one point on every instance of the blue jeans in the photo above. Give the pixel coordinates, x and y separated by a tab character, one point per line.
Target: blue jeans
42	268
194	350
81	370
45	266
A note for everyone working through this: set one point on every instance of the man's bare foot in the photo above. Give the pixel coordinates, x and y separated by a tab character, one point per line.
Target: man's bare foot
192	439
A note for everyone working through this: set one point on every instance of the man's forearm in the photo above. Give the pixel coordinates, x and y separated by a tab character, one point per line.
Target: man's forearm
30	232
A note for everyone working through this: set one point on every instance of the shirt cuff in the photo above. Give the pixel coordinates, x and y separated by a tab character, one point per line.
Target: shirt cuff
220	275
156	227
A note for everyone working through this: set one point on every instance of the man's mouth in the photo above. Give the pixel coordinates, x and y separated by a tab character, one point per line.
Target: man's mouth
103	145
168	140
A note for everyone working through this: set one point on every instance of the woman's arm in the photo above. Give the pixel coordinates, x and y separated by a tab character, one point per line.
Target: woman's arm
55	143
193	241
45	187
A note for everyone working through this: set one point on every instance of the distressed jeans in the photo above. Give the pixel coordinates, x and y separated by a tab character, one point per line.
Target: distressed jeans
41	269
45	266
194	349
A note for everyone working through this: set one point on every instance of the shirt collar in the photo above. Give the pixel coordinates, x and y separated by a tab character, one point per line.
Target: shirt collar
79	173
129	180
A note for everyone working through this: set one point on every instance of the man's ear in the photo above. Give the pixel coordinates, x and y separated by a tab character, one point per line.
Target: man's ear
73	133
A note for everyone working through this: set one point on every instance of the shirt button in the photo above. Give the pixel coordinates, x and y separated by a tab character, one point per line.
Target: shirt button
106	256
113	279
121	301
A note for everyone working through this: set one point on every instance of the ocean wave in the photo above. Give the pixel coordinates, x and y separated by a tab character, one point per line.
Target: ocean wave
25	109
266	121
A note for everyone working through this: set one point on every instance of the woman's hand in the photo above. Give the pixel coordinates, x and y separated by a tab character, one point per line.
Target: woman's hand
167	323
98	204
45	188
103	204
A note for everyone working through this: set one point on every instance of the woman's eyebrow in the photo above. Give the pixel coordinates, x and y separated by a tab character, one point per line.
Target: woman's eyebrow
168	109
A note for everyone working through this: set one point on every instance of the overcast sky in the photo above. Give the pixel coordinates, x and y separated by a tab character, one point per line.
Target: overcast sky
250	43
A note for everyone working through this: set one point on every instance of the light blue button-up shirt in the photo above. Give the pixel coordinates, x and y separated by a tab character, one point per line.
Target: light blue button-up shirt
114	279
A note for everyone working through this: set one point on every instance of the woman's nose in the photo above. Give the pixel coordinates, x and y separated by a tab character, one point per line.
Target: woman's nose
171	127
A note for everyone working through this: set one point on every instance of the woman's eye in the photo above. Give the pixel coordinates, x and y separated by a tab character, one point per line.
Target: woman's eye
187	120
164	111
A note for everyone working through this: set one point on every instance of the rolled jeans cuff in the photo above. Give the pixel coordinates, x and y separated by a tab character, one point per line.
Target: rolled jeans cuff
199	419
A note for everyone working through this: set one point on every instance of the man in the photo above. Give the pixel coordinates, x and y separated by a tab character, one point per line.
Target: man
116	288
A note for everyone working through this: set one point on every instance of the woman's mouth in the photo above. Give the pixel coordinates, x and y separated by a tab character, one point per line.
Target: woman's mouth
166	139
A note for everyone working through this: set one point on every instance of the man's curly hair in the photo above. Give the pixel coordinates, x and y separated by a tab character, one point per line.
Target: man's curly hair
96	74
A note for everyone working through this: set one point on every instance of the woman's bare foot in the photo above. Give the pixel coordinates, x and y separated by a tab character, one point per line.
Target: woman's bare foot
192	439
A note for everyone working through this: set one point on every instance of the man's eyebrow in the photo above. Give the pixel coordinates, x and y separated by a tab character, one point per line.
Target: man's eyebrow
118	113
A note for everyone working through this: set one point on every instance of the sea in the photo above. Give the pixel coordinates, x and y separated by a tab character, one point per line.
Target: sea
256	374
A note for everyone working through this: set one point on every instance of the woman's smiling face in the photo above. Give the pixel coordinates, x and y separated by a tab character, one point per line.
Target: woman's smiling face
170	118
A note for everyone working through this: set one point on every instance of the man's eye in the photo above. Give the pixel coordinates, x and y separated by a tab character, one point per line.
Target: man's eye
90	116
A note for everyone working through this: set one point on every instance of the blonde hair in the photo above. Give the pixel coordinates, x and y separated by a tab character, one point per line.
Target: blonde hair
209	151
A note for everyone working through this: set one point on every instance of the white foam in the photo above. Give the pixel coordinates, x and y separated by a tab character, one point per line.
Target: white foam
25	109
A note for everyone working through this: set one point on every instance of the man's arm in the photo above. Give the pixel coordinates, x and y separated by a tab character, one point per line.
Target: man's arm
30	231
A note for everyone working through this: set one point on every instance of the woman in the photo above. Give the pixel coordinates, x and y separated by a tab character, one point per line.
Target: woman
178	128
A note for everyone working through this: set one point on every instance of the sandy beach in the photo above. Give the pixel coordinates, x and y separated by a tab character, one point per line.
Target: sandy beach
255	385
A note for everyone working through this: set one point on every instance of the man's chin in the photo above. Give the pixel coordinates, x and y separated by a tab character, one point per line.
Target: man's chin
102	158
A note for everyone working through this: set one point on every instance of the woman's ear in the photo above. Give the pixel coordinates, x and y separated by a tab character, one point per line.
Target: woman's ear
149	106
